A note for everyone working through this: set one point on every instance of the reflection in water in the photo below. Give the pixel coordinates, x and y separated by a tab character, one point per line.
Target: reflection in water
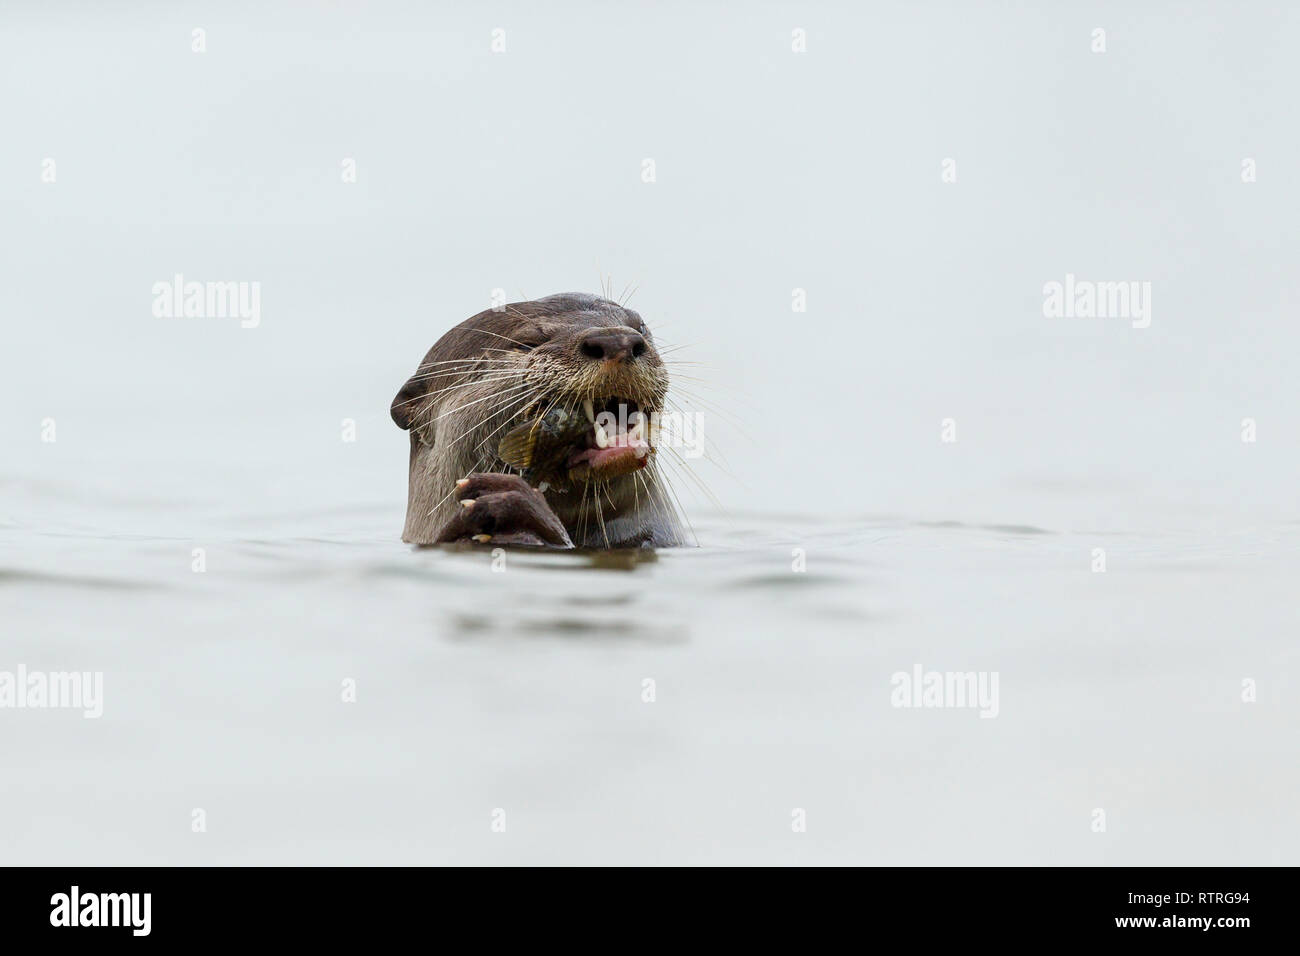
617	559
533	593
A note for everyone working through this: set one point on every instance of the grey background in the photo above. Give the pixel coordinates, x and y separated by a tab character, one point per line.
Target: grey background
774	171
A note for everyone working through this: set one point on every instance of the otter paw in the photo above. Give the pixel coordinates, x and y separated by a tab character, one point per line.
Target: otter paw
503	509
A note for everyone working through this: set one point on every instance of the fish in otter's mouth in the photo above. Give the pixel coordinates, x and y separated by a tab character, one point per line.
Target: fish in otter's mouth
591	440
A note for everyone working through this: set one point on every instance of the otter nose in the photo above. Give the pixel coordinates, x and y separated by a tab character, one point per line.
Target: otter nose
619	345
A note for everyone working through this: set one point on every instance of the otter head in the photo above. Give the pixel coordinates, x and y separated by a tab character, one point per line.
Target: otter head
573	380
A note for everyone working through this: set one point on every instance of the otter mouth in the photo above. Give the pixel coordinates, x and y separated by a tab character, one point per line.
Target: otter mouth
596	439
617	443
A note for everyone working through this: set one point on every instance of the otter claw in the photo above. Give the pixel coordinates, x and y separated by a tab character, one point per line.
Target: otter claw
505	510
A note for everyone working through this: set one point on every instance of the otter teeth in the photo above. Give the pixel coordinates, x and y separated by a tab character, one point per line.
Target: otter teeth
602	439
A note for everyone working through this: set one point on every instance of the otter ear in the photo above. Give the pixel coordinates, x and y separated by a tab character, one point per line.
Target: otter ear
407	401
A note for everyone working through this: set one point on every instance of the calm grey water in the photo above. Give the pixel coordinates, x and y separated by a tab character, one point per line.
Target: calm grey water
522	690
131	440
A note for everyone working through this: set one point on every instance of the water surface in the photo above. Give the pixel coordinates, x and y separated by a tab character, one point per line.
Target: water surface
523	689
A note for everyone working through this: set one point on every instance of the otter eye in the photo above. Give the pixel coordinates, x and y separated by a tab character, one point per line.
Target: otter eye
526	341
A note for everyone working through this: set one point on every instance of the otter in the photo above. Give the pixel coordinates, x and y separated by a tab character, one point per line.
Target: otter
575	379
